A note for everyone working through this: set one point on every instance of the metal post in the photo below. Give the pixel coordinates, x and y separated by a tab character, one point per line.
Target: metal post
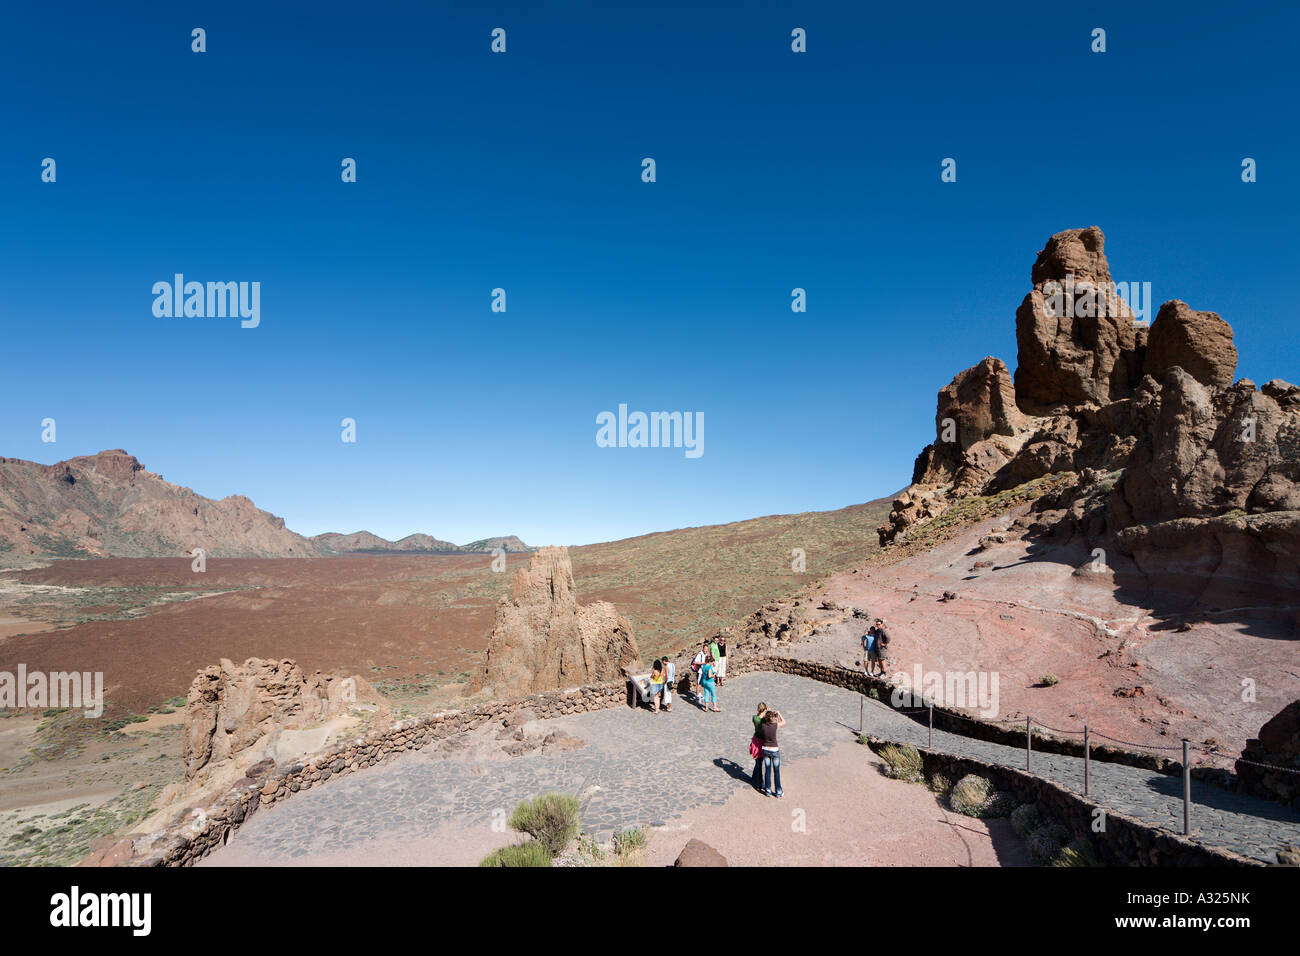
1029	741
931	725
1187	791
862	708
1087	760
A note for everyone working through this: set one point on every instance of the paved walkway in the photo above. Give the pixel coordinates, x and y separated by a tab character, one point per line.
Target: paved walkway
639	768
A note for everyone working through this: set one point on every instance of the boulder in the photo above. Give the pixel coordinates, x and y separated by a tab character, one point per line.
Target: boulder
699	853
1200	343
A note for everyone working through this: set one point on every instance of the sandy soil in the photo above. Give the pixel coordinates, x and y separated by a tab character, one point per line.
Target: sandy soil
851	815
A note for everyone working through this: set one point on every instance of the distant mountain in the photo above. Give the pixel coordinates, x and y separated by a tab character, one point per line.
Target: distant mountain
109	505
364	542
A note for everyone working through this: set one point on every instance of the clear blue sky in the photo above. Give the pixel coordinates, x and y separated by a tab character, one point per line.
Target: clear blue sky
522	171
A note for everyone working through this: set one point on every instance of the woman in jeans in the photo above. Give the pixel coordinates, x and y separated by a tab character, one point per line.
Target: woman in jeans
772	753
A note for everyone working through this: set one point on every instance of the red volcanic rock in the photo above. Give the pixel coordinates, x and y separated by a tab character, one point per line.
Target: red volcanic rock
1077	343
1200	343
698	853
978	428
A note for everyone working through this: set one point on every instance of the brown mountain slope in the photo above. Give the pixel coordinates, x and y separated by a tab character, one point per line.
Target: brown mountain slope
109	504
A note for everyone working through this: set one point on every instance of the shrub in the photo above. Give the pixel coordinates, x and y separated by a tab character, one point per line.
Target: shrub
938	783
1049	680
1046	842
1077	853
902	762
999	804
970	794
1026	818
532	853
551	818
629	840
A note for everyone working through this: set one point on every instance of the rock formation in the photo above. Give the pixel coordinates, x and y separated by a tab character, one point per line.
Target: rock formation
232	708
1195	477
543	640
109	505
1278	746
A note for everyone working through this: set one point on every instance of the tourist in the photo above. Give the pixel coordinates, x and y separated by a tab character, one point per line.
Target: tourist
656	683
756	746
772	753
880	652
670	674
697	662
721	655
709	685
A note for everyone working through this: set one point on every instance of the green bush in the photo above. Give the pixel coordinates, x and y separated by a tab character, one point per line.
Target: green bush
531	853
970	794
939	783
1077	853
999	804
1026	818
1046	842
551	818
629	840
1049	680
902	762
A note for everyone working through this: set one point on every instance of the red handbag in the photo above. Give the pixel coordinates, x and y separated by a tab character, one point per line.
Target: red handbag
755	747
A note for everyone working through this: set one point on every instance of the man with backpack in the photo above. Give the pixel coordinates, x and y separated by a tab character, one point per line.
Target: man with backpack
876	645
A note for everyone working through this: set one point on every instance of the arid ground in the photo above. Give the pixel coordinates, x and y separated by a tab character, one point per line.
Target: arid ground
413	626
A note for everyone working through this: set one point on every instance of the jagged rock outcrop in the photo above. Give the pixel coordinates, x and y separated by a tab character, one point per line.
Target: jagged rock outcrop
1194	477
543	640
232	708
979	427
1277	747
1078	342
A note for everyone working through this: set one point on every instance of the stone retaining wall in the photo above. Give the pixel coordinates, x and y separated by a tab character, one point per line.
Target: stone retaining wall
195	837
1126	841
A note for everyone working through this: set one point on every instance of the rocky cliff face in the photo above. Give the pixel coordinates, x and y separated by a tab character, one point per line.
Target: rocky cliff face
109	505
1193	476
543	640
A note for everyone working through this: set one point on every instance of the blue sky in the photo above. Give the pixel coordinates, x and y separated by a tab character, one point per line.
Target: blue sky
522	171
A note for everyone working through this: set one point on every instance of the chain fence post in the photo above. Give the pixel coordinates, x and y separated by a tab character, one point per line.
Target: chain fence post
931	725
1029	741
1087	760
1187	790
862	710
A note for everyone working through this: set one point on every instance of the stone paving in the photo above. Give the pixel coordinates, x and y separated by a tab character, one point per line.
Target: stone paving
639	768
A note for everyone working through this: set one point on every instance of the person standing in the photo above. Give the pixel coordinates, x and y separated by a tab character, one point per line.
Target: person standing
656	684
670	674
772	720
721	645
756	778
879	654
709	685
